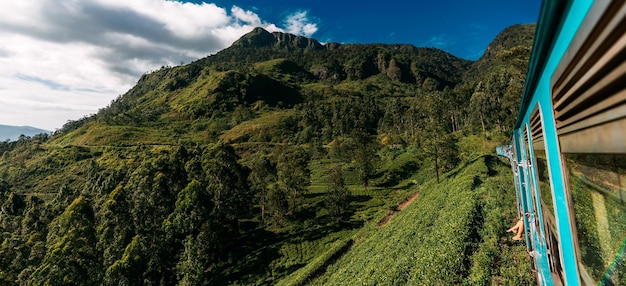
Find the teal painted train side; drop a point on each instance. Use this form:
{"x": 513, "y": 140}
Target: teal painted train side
{"x": 568, "y": 147}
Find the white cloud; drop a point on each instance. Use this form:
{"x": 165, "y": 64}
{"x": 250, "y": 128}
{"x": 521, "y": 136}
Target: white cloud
{"x": 299, "y": 23}
{"x": 248, "y": 17}
{"x": 64, "y": 59}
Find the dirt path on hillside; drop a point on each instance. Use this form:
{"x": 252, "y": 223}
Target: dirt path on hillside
{"x": 387, "y": 218}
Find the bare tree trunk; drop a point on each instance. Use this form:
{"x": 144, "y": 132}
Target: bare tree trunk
{"x": 452, "y": 122}
{"x": 482, "y": 122}
{"x": 437, "y": 165}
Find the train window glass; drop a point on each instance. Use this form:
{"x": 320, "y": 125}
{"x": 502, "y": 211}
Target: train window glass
{"x": 596, "y": 186}
{"x": 543, "y": 175}
{"x": 541, "y": 163}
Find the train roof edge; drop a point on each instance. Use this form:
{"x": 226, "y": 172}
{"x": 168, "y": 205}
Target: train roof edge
{"x": 550, "y": 22}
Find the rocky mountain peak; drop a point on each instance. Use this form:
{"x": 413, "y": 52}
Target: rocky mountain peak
{"x": 260, "y": 37}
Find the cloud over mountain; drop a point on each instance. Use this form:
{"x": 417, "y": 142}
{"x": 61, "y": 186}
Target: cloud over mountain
{"x": 81, "y": 54}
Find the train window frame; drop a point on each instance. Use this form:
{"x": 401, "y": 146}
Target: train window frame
{"x": 521, "y": 208}
{"x": 551, "y": 236}
{"x": 536, "y": 221}
{"x": 521, "y": 182}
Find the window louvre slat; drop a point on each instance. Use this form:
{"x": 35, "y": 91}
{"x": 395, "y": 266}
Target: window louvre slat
{"x": 588, "y": 91}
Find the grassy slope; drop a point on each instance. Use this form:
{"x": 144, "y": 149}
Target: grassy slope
{"x": 452, "y": 234}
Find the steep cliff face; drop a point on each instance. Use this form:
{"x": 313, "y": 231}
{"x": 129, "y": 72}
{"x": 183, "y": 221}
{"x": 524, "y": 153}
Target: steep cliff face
{"x": 292, "y": 41}
{"x": 401, "y": 63}
{"x": 260, "y": 38}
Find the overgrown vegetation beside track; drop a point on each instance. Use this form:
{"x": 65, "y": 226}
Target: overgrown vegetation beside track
{"x": 452, "y": 234}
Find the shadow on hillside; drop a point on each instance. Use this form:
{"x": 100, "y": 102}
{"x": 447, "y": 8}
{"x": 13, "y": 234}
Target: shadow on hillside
{"x": 255, "y": 252}
{"x": 491, "y": 162}
{"x": 461, "y": 167}
{"x": 360, "y": 198}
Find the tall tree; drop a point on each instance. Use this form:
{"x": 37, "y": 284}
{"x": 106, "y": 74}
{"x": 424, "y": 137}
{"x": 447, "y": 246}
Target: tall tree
{"x": 262, "y": 180}
{"x": 480, "y": 103}
{"x": 116, "y": 226}
{"x": 438, "y": 143}
{"x": 337, "y": 194}
{"x": 364, "y": 155}
{"x": 72, "y": 258}
{"x": 227, "y": 182}
{"x": 293, "y": 172}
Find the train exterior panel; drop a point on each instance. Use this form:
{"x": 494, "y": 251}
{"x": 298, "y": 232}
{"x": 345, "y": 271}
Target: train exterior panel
{"x": 568, "y": 147}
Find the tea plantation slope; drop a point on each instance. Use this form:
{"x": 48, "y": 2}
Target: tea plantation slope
{"x": 454, "y": 233}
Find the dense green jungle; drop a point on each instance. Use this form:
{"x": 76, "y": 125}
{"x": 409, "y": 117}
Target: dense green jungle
{"x": 278, "y": 161}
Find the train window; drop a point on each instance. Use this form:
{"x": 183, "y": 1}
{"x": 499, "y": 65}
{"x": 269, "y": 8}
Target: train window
{"x": 589, "y": 98}
{"x": 596, "y": 186}
{"x": 545, "y": 195}
{"x": 541, "y": 164}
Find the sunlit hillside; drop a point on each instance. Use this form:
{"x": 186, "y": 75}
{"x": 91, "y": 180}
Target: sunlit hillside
{"x": 277, "y": 160}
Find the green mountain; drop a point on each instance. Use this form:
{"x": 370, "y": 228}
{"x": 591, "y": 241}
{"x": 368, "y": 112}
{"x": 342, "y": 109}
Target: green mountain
{"x": 269, "y": 161}
{"x": 13, "y": 133}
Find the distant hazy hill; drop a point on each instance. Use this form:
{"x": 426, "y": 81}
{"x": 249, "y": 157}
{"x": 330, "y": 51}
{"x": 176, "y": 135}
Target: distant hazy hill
{"x": 13, "y": 132}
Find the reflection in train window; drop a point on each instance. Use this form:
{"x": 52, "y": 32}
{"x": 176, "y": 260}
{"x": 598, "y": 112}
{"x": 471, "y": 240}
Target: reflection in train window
{"x": 544, "y": 181}
{"x": 595, "y": 183}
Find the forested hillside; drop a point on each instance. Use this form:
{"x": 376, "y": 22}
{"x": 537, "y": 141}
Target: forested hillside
{"x": 265, "y": 163}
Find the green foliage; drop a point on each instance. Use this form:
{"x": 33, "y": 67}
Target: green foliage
{"x": 337, "y": 194}
{"x": 150, "y": 191}
{"x": 317, "y": 265}
{"x": 340, "y": 117}
{"x": 193, "y": 208}
{"x": 463, "y": 215}
{"x": 364, "y": 155}
{"x": 130, "y": 268}
{"x": 399, "y": 168}
{"x": 116, "y": 228}
{"x": 271, "y": 127}
{"x": 72, "y": 258}
{"x": 497, "y": 214}
{"x": 192, "y": 267}
{"x": 293, "y": 173}
{"x": 439, "y": 144}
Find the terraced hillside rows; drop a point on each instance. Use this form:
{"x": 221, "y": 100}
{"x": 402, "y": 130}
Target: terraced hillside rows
{"x": 452, "y": 234}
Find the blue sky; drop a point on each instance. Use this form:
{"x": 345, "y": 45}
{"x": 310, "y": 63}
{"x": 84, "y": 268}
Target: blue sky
{"x": 64, "y": 59}
{"x": 463, "y": 28}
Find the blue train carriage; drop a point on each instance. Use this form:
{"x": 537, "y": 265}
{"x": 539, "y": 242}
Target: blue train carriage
{"x": 568, "y": 148}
